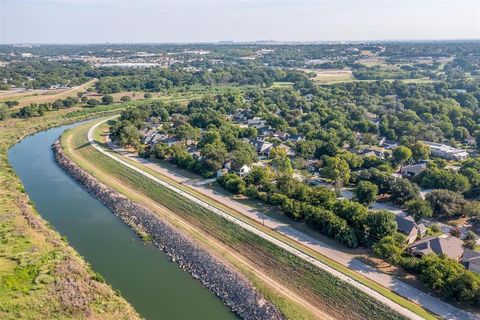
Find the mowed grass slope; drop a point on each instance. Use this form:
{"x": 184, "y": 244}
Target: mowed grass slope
{"x": 315, "y": 285}
{"x": 41, "y": 276}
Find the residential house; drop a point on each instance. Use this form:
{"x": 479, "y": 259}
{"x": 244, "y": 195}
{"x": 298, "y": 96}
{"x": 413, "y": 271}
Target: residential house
{"x": 471, "y": 260}
{"x": 296, "y": 138}
{"x": 257, "y": 123}
{"x": 312, "y": 165}
{"x": 309, "y": 96}
{"x": 446, "y": 152}
{"x": 262, "y": 147}
{"x": 194, "y": 152}
{"x": 264, "y": 132}
{"x": 372, "y": 116}
{"x": 372, "y": 152}
{"x": 471, "y": 141}
{"x": 244, "y": 170}
{"x": 156, "y": 138}
{"x": 409, "y": 227}
{"x": 389, "y": 144}
{"x": 413, "y": 170}
{"x": 447, "y": 245}
{"x": 174, "y": 140}
{"x": 222, "y": 172}
{"x": 280, "y": 135}
{"x": 146, "y": 134}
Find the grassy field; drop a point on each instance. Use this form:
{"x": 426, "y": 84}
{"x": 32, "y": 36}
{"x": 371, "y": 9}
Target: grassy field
{"x": 332, "y": 76}
{"x": 34, "y": 260}
{"x": 43, "y": 96}
{"x": 316, "y": 286}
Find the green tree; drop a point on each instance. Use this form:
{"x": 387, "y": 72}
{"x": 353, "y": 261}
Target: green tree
{"x": 93, "y": 102}
{"x": 161, "y": 151}
{"x": 381, "y": 224}
{"x": 389, "y": 248}
{"x": 280, "y": 160}
{"x": 107, "y": 99}
{"x": 125, "y": 99}
{"x": 186, "y": 132}
{"x": 11, "y": 103}
{"x": 418, "y": 209}
{"x": 402, "y": 190}
{"x": 244, "y": 154}
{"x": 210, "y": 136}
{"x": 213, "y": 157}
{"x": 366, "y": 192}
{"x": 337, "y": 170}
{"x": 420, "y": 151}
{"x": 4, "y": 112}
{"x": 446, "y": 202}
{"x": 401, "y": 155}
{"x": 129, "y": 136}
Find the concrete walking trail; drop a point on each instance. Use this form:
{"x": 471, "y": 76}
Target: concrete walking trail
{"x": 428, "y": 302}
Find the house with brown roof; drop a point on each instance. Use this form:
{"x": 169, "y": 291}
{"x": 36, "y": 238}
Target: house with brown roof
{"x": 471, "y": 260}
{"x": 447, "y": 245}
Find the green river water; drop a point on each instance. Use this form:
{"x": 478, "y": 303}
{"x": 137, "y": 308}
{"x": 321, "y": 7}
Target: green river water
{"x": 155, "y": 287}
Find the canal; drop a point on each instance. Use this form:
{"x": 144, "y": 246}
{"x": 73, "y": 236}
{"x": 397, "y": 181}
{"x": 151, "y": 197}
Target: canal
{"x": 155, "y": 287}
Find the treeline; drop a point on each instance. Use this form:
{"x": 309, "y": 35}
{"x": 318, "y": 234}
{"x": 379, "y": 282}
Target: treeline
{"x": 406, "y": 112}
{"x": 158, "y": 79}
{"x": 39, "y": 109}
{"x": 348, "y": 222}
{"x": 39, "y": 73}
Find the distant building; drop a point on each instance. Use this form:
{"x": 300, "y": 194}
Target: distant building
{"x": 449, "y": 246}
{"x": 389, "y": 144}
{"x": 412, "y": 170}
{"x": 471, "y": 141}
{"x": 257, "y": 123}
{"x": 446, "y": 152}
{"x": 280, "y": 135}
{"x": 296, "y": 138}
{"x": 372, "y": 152}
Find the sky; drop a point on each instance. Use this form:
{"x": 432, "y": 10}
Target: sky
{"x": 160, "y": 21}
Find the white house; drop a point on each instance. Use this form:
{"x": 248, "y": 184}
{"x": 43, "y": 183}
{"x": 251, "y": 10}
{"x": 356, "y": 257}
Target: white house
{"x": 446, "y": 152}
{"x": 244, "y": 170}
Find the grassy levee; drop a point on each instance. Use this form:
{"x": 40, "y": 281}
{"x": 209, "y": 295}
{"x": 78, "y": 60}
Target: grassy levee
{"x": 316, "y": 286}
{"x": 331, "y": 263}
{"x": 41, "y": 276}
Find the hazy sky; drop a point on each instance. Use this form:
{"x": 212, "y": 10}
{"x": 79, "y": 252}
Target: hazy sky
{"x": 88, "y": 21}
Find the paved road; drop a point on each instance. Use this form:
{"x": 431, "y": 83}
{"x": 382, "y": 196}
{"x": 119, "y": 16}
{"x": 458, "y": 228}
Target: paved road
{"x": 428, "y": 302}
